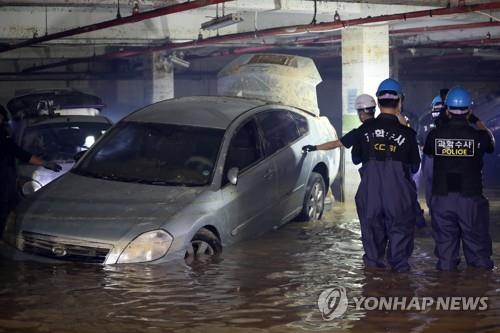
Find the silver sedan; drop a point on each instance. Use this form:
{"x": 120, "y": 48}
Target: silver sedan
{"x": 183, "y": 178}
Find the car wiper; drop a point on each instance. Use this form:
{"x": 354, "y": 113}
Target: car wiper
{"x": 135, "y": 180}
{"x": 102, "y": 176}
{"x": 158, "y": 182}
{"x": 118, "y": 178}
{"x": 167, "y": 183}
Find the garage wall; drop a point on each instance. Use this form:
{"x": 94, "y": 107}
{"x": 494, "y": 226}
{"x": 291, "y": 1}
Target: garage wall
{"x": 419, "y": 94}
{"x": 195, "y": 85}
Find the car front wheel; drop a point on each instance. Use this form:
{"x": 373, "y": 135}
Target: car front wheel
{"x": 314, "y": 200}
{"x": 204, "y": 246}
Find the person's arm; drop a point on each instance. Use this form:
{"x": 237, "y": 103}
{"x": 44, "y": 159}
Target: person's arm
{"x": 18, "y": 152}
{"x": 429, "y": 144}
{"x": 324, "y": 146}
{"x": 330, "y": 145}
{"x": 414, "y": 155}
{"x": 489, "y": 138}
{"x": 27, "y": 157}
{"x": 480, "y": 125}
{"x": 347, "y": 141}
{"x": 35, "y": 160}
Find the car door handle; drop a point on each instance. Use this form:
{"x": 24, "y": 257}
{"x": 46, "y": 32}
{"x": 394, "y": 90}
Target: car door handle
{"x": 269, "y": 174}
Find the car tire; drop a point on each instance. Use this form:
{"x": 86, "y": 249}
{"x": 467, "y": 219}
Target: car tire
{"x": 314, "y": 199}
{"x": 205, "y": 246}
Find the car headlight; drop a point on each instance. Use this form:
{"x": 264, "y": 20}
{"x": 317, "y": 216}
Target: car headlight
{"x": 149, "y": 246}
{"x": 30, "y": 186}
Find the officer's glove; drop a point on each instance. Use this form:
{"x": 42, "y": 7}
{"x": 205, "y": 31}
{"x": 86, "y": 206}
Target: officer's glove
{"x": 473, "y": 119}
{"x": 309, "y": 148}
{"x": 52, "y": 166}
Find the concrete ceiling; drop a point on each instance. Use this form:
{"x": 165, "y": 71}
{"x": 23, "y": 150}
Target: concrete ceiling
{"x": 86, "y": 3}
{"x": 436, "y": 3}
{"x": 159, "y": 3}
{"x": 21, "y": 20}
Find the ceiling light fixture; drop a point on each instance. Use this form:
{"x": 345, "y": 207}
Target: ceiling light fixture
{"x": 221, "y": 22}
{"x": 179, "y": 61}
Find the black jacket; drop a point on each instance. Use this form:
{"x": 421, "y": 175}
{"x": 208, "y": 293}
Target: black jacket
{"x": 458, "y": 151}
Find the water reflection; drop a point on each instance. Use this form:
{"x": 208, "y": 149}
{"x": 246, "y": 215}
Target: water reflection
{"x": 271, "y": 284}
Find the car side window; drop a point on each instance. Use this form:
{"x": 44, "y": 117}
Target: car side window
{"x": 301, "y": 123}
{"x": 244, "y": 149}
{"x": 279, "y": 129}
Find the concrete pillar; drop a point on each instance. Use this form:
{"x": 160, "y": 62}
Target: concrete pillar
{"x": 365, "y": 63}
{"x": 161, "y": 79}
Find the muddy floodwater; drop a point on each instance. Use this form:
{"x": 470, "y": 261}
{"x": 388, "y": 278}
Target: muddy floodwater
{"x": 267, "y": 285}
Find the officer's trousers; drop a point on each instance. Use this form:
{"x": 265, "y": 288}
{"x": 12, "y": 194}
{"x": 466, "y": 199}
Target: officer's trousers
{"x": 385, "y": 203}
{"x": 420, "y": 222}
{"x": 459, "y": 219}
{"x": 427, "y": 171}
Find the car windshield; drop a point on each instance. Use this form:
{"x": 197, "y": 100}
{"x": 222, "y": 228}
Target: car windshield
{"x": 61, "y": 141}
{"x": 158, "y": 154}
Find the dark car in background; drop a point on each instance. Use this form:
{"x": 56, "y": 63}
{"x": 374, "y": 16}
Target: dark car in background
{"x": 56, "y": 125}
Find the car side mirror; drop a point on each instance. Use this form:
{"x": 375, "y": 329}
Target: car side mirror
{"x": 79, "y": 155}
{"x": 232, "y": 175}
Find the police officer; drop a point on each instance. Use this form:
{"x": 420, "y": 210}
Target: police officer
{"x": 428, "y": 122}
{"x": 9, "y": 152}
{"x": 386, "y": 197}
{"x": 442, "y": 116}
{"x": 460, "y": 212}
{"x": 365, "y": 106}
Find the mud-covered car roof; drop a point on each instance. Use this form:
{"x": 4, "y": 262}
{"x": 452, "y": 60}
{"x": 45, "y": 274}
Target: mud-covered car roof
{"x": 203, "y": 111}
{"x": 26, "y": 104}
{"x": 45, "y": 120}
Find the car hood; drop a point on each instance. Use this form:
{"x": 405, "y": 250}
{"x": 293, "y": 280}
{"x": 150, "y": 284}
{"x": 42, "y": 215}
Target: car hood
{"x": 91, "y": 208}
{"x": 42, "y": 175}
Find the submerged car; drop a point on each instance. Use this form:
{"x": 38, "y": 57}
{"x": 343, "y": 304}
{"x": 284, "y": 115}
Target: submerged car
{"x": 182, "y": 178}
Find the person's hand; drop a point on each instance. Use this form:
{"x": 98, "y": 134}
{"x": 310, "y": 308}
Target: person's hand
{"x": 309, "y": 148}
{"x": 52, "y": 166}
{"x": 472, "y": 119}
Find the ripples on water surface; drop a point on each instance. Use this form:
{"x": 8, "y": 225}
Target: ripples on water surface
{"x": 267, "y": 285}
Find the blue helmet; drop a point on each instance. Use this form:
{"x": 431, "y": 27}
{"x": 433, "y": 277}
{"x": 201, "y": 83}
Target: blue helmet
{"x": 458, "y": 98}
{"x": 436, "y": 106}
{"x": 436, "y": 101}
{"x": 389, "y": 85}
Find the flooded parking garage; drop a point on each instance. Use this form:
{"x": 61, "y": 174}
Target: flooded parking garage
{"x": 271, "y": 284}
{"x": 155, "y": 157}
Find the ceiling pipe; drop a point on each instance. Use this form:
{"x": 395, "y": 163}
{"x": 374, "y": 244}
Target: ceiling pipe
{"x": 115, "y": 22}
{"x": 467, "y": 43}
{"x": 74, "y": 4}
{"x": 332, "y": 26}
{"x": 283, "y": 31}
{"x": 461, "y": 26}
{"x": 322, "y": 27}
